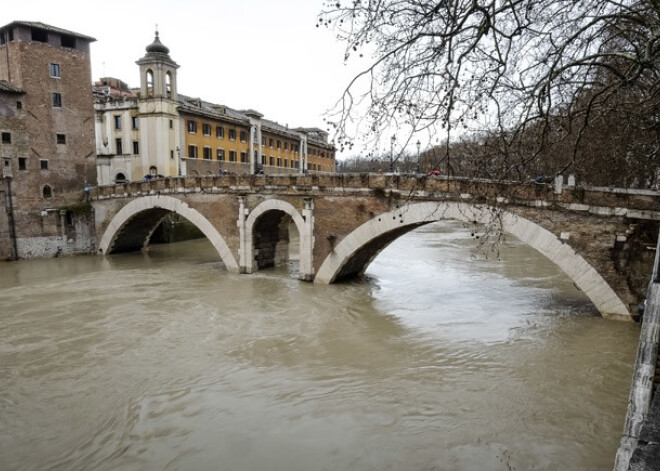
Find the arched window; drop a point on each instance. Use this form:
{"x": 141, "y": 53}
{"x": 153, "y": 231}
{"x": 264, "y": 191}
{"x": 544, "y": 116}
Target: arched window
{"x": 47, "y": 192}
{"x": 150, "y": 83}
{"x": 120, "y": 178}
{"x": 168, "y": 85}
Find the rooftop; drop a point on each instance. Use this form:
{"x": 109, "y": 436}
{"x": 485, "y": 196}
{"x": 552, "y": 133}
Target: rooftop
{"x": 6, "y": 87}
{"x": 49, "y": 28}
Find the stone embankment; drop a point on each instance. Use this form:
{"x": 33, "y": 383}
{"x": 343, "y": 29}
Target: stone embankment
{"x": 640, "y": 444}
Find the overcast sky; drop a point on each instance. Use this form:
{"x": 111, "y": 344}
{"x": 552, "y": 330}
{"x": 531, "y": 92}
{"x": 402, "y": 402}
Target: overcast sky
{"x": 262, "y": 54}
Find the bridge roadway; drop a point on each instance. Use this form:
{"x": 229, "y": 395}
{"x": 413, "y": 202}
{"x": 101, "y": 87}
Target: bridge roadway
{"x": 345, "y": 220}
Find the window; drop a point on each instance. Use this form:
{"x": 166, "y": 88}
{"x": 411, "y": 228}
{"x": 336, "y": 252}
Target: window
{"x": 136, "y": 147}
{"x": 47, "y": 192}
{"x": 120, "y": 178}
{"x": 68, "y": 41}
{"x": 39, "y": 35}
{"x": 263, "y": 159}
{"x": 6, "y": 138}
{"x": 57, "y": 100}
{"x": 263, "y": 140}
{"x": 232, "y": 134}
{"x": 279, "y": 161}
{"x": 270, "y": 142}
{"x": 271, "y": 161}
{"x": 207, "y": 153}
{"x": 206, "y": 129}
{"x": 286, "y": 145}
{"x": 243, "y": 136}
{"x": 192, "y": 152}
{"x": 19, "y": 105}
{"x": 69, "y": 218}
{"x": 171, "y": 124}
{"x": 220, "y": 132}
{"x": 55, "y": 70}
{"x": 232, "y": 156}
{"x": 279, "y": 144}
{"x": 243, "y": 157}
{"x": 43, "y": 164}
{"x": 134, "y": 122}
{"x": 61, "y": 138}
{"x": 192, "y": 126}
{"x": 117, "y": 119}
{"x": 22, "y": 163}
{"x": 118, "y": 146}
{"x": 221, "y": 154}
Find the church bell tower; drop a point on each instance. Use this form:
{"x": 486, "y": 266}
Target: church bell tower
{"x": 159, "y": 119}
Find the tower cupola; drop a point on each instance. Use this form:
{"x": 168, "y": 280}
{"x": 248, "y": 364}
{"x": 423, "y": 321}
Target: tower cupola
{"x": 157, "y": 72}
{"x": 157, "y": 47}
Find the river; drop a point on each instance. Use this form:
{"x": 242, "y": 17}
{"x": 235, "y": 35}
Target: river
{"x": 437, "y": 360}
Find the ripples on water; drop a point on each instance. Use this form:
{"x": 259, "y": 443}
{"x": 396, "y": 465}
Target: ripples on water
{"x": 436, "y": 360}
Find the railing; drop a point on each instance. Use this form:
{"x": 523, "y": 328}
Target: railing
{"x": 602, "y": 201}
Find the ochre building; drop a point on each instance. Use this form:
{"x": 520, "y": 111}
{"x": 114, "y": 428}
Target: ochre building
{"x": 154, "y": 132}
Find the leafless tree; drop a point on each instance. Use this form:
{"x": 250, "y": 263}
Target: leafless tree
{"x": 522, "y": 75}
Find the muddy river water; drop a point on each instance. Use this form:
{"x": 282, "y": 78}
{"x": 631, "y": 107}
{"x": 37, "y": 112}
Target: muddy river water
{"x": 437, "y": 359}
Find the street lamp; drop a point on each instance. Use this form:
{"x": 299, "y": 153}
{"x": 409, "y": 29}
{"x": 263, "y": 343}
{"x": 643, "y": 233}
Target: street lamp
{"x": 419, "y": 144}
{"x": 392, "y": 140}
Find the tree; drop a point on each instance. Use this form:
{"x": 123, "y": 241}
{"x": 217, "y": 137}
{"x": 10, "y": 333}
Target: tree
{"x": 529, "y": 77}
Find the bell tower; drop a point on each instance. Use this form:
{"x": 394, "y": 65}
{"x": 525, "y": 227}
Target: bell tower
{"x": 158, "y": 72}
{"x": 159, "y": 119}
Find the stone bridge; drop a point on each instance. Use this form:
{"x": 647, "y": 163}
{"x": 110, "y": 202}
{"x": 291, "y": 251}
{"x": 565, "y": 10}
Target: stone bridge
{"x": 601, "y": 238}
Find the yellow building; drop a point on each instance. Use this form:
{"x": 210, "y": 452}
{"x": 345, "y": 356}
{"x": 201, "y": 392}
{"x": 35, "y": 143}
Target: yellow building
{"x": 155, "y": 131}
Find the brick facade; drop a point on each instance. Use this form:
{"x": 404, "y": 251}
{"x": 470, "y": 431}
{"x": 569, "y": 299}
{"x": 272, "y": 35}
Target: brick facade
{"x": 46, "y": 109}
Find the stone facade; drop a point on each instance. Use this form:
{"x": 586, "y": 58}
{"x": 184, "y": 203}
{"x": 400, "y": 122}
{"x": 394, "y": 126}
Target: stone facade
{"x": 47, "y": 118}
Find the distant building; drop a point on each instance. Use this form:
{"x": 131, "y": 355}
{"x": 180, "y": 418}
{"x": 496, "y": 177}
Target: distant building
{"x": 47, "y": 147}
{"x": 154, "y": 130}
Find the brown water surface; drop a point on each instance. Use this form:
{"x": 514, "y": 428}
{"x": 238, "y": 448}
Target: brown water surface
{"x": 438, "y": 360}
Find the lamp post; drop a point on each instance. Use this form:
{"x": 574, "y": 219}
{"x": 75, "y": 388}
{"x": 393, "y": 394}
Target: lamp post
{"x": 392, "y": 140}
{"x": 419, "y": 144}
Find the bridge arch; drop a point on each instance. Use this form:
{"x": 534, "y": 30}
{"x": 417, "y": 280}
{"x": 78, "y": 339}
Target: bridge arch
{"x": 353, "y": 254}
{"x": 154, "y": 208}
{"x": 270, "y": 215}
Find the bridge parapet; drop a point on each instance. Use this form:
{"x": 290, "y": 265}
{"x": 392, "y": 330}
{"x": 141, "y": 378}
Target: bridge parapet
{"x": 634, "y": 204}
